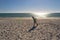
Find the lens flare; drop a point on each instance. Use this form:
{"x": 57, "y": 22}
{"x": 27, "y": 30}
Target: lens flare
{"x": 41, "y": 14}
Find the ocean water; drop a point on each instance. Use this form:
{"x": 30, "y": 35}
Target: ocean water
{"x": 53, "y": 15}
{"x": 15, "y": 15}
{"x": 26, "y": 15}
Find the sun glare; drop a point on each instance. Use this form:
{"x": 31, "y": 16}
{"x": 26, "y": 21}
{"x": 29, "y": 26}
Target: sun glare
{"x": 41, "y": 14}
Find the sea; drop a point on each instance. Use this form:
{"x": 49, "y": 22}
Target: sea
{"x": 27, "y": 15}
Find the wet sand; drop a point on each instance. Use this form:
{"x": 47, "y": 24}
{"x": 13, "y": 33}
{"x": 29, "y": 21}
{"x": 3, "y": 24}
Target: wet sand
{"x": 17, "y": 29}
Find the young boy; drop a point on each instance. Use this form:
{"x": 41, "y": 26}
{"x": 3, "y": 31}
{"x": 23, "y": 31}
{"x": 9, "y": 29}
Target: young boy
{"x": 35, "y": 24}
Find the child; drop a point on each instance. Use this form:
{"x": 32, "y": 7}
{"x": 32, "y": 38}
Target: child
{"x": 35, "y": 24}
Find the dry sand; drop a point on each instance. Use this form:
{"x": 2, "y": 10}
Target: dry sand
{"x": 17, "y": 29}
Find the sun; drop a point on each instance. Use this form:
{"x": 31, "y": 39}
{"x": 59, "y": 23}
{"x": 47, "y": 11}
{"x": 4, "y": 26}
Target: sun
{"x": 41, "y": 14}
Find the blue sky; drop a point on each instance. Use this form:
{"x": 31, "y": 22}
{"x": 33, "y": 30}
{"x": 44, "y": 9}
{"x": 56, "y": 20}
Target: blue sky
{"x": 29, "y": 6}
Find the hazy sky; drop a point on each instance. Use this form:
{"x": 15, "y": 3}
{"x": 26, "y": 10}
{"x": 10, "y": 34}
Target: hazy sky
{"x": 29, "y": 6}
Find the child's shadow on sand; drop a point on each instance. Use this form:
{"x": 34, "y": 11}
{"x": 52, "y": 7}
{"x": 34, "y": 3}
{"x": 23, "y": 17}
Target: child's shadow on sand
{"x": 32, "y": 29}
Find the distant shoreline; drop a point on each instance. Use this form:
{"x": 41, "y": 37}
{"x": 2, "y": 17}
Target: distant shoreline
{"x": 25, "y": 18}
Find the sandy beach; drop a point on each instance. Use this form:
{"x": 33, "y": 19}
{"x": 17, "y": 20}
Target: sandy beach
{"x": 17, "y": 29}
